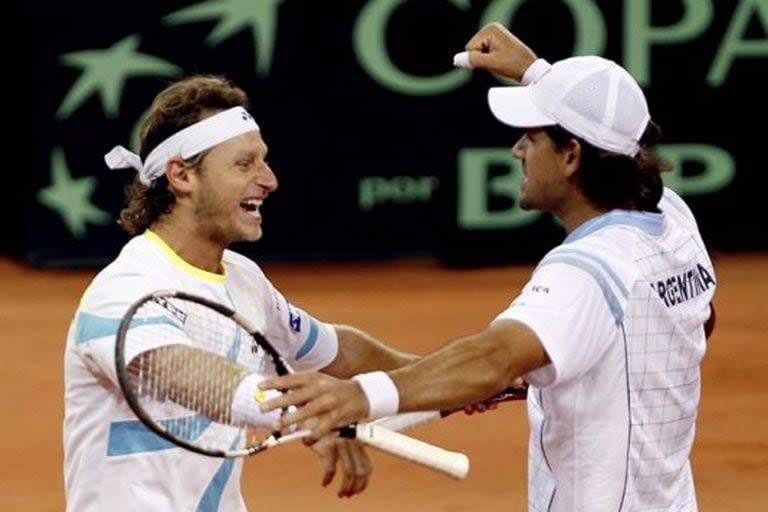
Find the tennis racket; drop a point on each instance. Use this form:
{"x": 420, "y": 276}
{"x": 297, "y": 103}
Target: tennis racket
{"x": 408, "y": 420}
{"x": 179, "y": 359}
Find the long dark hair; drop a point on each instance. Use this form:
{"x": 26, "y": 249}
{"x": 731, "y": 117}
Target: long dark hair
{"x": 611, "y": 180}
{"x": 181, "y": 104}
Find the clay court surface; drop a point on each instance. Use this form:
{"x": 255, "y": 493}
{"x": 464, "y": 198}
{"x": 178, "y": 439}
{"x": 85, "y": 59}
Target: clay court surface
{"x": 416, "y": 305}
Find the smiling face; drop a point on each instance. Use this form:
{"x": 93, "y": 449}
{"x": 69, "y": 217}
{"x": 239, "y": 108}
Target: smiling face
{"x": 228, "y": 189}
{"x": 546, "y": 170}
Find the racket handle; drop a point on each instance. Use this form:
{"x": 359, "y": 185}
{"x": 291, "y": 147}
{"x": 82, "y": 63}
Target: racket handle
{"x": 451, "y": 463}
{"x": 405, "y": 421}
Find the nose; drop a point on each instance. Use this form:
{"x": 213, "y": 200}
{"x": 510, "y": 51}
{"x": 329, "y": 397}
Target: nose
{"x": 266, "y": 178}
{"x": 518, "y": 150}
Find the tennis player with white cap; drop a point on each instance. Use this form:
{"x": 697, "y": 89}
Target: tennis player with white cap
{"x": 611, "y": 327}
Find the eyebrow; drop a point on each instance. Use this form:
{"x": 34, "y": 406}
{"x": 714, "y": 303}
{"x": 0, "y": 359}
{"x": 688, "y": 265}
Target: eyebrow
{"x": 251, "y": 153}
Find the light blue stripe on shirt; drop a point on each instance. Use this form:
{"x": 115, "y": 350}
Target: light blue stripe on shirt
{"x": 234, "y": 349}
{"x": 311, "y": 341}
{"x": 651, "y": 223}
{"x": 90, "y": 326}
{"x": 597, "y": 275}
{"x": 596, "y": 259}
{"x": 212, "y": 495}
{"x": 132, "y": 436}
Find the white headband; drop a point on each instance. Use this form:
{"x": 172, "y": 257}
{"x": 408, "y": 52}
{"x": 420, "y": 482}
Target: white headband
{"x": 185, "y": 143}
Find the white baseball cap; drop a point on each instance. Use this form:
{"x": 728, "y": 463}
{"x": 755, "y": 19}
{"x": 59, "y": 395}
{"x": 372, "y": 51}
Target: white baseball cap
{"x": 592, "y": 97}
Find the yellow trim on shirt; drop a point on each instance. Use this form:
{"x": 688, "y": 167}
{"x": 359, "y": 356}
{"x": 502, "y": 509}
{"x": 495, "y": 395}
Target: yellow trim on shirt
{"x": 183, "y": 265}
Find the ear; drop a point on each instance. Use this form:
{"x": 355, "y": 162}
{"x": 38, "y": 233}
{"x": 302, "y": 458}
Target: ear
{"x": 571, "y": 155}
{"x": 179, "y": 174}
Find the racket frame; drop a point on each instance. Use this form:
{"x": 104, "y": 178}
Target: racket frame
{"x": 123, "y": 377}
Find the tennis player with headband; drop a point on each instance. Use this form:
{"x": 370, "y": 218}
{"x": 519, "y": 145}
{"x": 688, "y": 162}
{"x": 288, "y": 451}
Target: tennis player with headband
{"x": 202, "y": 177}
{"x": 612, "y": 326}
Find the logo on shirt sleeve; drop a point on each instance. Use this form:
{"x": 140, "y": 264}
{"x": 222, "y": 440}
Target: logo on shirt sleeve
{"x": 294, "y": 319}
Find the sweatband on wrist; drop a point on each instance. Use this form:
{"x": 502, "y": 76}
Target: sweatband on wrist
{"x": 535, "y": 71}
{"x": 461, "y": 60}
{"x": 245, "y": 404}
{"x": 381, "y": 393}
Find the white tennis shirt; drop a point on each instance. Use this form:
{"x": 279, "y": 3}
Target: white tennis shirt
{"x": 111, "y": 461}
{"x": 619, "y": 308}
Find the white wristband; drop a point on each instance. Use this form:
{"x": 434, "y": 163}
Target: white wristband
{"x": 536, "y": 70}
{"x": 461, "y": 60}
{"x": 245, "y": 404}
{"x": 381, "y": 393}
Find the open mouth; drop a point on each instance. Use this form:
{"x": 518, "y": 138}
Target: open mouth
{"x": 251, "y": 206}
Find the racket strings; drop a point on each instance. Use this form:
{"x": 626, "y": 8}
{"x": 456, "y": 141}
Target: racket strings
{"x": 184, "y": 362}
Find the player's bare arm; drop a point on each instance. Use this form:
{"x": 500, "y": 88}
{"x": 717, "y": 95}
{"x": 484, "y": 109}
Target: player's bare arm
{"x": 177, "y": 369}
{"x": 470, "y": 369}
{"x": 353, "y": 459}
{"x": 359, "y": 352}
{"x": 467, "y": 370}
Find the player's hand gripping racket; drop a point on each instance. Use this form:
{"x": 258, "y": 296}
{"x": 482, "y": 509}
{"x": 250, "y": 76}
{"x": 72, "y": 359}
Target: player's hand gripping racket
{"x": 179, "y": 359}
{"x": 408, "y": 420}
